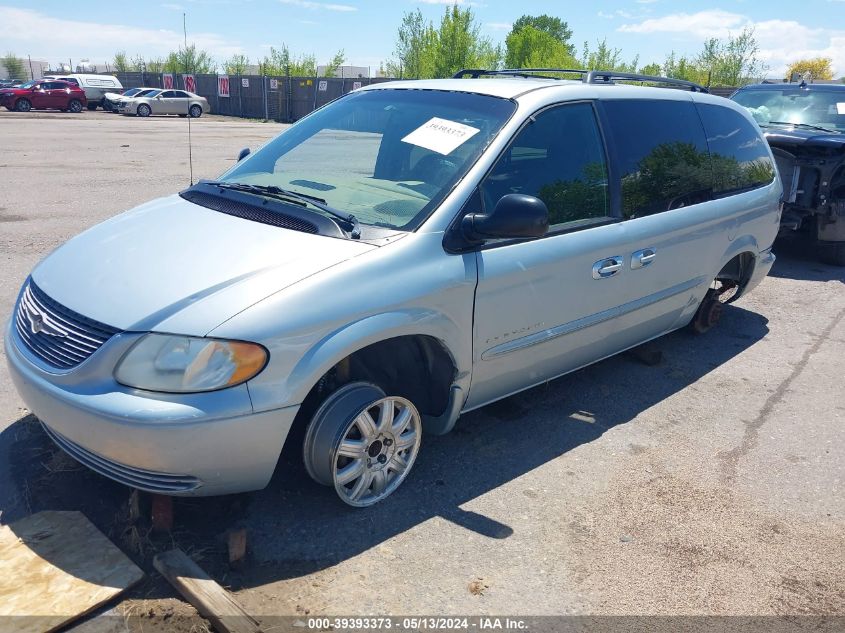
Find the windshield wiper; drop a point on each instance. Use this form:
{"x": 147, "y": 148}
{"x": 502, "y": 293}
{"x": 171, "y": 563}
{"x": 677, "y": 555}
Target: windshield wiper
{"x": 804, "y": 125}
{"x": 302, "y": 199}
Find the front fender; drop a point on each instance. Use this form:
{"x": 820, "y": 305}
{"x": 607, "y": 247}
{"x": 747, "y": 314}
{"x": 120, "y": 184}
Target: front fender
{"x": 343, "y": 341}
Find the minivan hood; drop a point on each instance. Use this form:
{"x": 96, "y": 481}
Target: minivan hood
{"x": 776, "y": 135}
{"x": 171, "y": 265}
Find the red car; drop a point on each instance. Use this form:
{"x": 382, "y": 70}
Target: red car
{"x": 44, "y": 95}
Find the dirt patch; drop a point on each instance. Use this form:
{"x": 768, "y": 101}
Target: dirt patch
{"x": 701, "y": 550}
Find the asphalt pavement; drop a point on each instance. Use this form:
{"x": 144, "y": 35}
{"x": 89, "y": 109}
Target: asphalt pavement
{"x": 712, "y": 483}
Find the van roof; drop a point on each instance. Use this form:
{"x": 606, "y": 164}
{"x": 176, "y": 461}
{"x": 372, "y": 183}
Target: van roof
{"x": 512, "y": 87}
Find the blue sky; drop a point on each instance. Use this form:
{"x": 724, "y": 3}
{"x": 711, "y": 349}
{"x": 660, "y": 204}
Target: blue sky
{"x": 366, "y": 29}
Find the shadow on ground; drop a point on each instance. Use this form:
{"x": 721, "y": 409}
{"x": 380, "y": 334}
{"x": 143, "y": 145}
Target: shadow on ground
{"x": 296, "y": 527}
{"x": 798, "y": 258}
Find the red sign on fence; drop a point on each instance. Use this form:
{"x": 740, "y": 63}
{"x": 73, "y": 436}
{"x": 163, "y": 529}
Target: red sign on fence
{"x": 222, "y": 85}
{"x": 190, "y": 83}
{"x": 167, "y": 81}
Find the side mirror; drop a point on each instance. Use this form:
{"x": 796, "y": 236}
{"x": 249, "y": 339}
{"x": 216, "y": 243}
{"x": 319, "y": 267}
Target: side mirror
{"x": 514, "y": 216}
{"x": 243, "y": 154}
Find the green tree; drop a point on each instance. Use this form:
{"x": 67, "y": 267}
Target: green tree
{"x": 555, "y": 27}
{"x": 529, "y": 47}
{"x": 605, "y": 57}
{"x": 190, "y": 61}
{"x": 651, "y": 69}
{"x": 236, "y": 64}
{"x": 13, "y": 65}
{"x": 732, "y": 61}
{"x": 683, "y": 68}
{"x": 415, "y": 50}
{"x": 460, "y": 44}
{"x": 423, "y": 51}
{"x": 334, "y": 65}
{"x": 121, "y": 62}
{"x": 280, "y": 61}
{"x": 155, "y": 65}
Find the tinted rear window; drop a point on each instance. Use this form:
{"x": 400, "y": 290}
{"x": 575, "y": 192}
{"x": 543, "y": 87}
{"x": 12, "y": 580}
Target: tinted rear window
{"x": 661, "y": 155}
{"x": 739, "y": 153}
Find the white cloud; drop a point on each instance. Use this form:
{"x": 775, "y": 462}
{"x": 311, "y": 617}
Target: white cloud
{"x": 653, "y": 1}
{"x": 467, "y": 3}
{"x": 172, "y": 7}
{"x": 781, "y": 42}
{"x": 619, "y": 13}
{"x": 308, "y": 4}
{"x": 499, "y": 26}
{"x": 704, "y": 24}
{"x": 22, "y": 30}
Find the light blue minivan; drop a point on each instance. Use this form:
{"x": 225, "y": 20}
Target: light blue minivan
{"x": 412, "y": 251}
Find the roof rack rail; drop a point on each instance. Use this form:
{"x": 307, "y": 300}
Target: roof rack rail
{"x": 475, "y": 73}
{"x": 587, "y": 76}
{"x": 609, "y": 76}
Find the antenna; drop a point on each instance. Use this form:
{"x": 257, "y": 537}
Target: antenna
{"x": 190, "y": 152}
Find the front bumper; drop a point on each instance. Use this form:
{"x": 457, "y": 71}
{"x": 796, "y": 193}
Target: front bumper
{"x": 193, "y": 445}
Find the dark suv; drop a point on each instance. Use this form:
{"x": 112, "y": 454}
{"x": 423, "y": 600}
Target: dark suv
{"x": 805, "y": 127}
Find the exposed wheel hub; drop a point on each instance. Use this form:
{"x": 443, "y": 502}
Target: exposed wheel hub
{"x": 375, "y": 449}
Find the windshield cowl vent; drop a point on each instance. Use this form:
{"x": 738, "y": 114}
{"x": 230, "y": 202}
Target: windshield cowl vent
{"x": 249, "y": 212}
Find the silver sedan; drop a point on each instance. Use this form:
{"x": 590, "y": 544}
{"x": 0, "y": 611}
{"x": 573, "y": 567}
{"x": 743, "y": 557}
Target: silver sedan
{"x": 167, "y": 102}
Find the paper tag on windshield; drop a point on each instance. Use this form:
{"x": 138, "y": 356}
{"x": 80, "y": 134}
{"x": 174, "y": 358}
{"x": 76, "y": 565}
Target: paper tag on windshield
{"x": 441, "y": 135}
{"x": 840, "y": 108}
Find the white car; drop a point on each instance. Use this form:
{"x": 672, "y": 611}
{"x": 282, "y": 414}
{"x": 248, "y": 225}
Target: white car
{"x": 166, "y": 102}
{"x": 95, "y": 86}
{"x": 114, "y": 100}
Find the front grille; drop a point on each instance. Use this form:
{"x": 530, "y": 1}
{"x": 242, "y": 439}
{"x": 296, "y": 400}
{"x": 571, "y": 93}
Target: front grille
{"x": 249, "y": 212}
{"x": 147, "y": 480}
{"x": 57, "y": 335}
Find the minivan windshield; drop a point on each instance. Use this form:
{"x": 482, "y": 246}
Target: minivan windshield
{"x": 386, "y": 156}
{"x": 797, "y": 106}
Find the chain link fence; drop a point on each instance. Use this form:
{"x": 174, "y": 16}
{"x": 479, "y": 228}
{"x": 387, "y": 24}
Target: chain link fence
{"x": 283, "y": 99}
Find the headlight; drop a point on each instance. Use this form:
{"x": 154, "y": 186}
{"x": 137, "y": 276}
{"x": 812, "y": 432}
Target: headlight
{"x": 186, "y": 364}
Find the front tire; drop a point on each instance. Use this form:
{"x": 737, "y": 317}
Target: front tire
{"x": 23, "y": 105}
{"x": 362, "y": 442}
{"x": 92, "y": 106}
{"x": 144, "y": 110}
{"x": 75, "y": 106}
{"x": 195, "y": 111}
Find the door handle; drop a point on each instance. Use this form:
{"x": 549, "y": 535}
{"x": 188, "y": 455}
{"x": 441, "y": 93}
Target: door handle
{"x": 607, "y": 267}
{"x": 642, "y": 258}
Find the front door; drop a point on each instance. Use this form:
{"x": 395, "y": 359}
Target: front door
{"x": 603, "y": 279}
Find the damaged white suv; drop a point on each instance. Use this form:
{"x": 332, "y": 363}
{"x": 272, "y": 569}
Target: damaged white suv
{"x": 411, "y": 251}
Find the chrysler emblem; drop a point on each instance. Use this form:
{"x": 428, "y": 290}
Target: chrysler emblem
{"x": 38, "y": 324}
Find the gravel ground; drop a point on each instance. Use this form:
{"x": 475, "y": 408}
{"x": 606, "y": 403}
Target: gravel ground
{"x": 709, "y": 484}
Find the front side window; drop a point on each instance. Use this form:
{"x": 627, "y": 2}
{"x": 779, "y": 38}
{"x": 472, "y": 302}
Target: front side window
{"x": 662, "y": 155}
{"x": 386, "y": 156}
{"x": 739, "y": 154}
{"x": 559, "y": 158}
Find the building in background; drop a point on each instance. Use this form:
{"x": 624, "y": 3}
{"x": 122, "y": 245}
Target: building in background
{"x": 346, "y": 72}
{"x": 32, "y": 69}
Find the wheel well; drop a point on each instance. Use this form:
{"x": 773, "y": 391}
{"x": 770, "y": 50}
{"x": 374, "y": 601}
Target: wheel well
{"x": 416, "y": 367}
{"x": 738, "y": 270}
